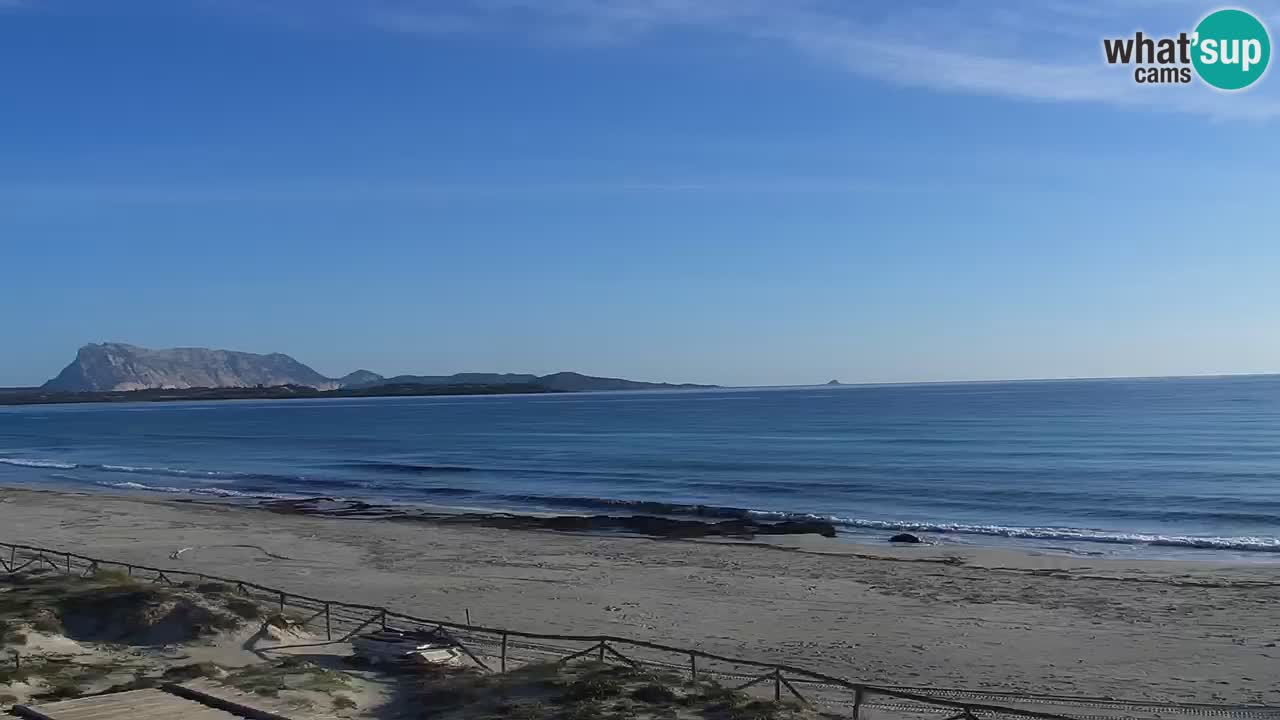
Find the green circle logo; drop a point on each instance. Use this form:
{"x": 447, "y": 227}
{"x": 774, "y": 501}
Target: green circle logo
{"x": 1232, "y": 49}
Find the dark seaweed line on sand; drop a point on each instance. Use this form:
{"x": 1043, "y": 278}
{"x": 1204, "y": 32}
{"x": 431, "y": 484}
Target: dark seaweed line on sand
{"x": 648, "y": 525}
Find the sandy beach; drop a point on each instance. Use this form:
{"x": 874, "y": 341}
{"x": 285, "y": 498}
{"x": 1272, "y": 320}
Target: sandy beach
{"x": 915, "y": 616}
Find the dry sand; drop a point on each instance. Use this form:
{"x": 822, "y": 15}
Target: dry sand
{"x": 913, "y": 616}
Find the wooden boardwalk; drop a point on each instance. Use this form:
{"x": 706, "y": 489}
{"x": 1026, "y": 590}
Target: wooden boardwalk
{"x": 198, "y": 700}
{"x": 148, "y": 704}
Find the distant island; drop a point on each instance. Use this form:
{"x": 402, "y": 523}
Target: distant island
{"x": 834, "y": 382}
{"x": 40, "y": 396}
{"x": 118, "y": 372}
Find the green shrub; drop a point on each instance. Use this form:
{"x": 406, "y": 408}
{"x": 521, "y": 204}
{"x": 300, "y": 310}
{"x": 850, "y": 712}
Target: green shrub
{"x": 62, "y": 689}
{"x": 592, "y": 688}
{"x": 191, "y": 671}
{"x": 113, "y": 577}
{"x": 654, "y": 694}
{"x": 244, "y": 608}
{"x": 214, "y": 588}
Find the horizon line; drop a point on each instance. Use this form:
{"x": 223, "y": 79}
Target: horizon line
{"x": 842, "y": 384}
{"x": 992, "y": 381}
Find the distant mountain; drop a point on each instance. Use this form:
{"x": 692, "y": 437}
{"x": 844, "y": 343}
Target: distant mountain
{"x": 360, "y": 378}
{"x": 109, "y": 367}
{"x": 577, "y": 382}
{"x": 459, "y": 379}
{"x": 560, "y": 382}
{"x": 117, "y": 366}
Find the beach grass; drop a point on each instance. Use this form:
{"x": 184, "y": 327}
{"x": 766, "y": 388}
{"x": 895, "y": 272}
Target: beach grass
{"x": 583, "y": 691}
{"x": 271, "y": 678}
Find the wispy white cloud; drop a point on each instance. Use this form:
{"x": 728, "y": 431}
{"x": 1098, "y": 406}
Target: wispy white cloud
{"x": 1043, "y": 51}
{"x": 1061, "y": 66}
{"x": 1040, "y": 51}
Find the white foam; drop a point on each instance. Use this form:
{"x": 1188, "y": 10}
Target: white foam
{"x": 23, "y": 462}
{"x": 215, "y": 491}
{"x": 206, "y": 475}
{"x": 1253, "y": 543}
{"x": 159, "y": 471}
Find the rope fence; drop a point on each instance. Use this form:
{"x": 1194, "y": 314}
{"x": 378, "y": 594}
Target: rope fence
{"x": 500, "y": 649}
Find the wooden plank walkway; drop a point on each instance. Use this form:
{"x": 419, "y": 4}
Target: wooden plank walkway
{"x": 147, "y": 704}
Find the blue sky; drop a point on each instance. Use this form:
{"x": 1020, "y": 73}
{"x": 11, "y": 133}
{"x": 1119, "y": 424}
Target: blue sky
{"x": 743, "y": 192}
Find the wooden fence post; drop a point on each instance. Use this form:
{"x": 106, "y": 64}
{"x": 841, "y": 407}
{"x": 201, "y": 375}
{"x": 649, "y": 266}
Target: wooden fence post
{"x": 35, "y": 556}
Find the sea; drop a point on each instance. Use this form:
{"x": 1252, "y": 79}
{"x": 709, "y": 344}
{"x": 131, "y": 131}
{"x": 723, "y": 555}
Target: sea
{"x": 1147, "y": 468}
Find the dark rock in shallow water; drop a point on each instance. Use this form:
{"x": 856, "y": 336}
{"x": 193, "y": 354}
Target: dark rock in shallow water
{"x": 568, "y": 523}
{"x": 651, "y": 525}
{"x": 801, "y": 527}
{"x": 656, "y": 526}
{"x": 905, "y": 538}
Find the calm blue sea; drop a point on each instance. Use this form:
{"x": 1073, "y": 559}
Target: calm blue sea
{"x": 1185, "y": 466}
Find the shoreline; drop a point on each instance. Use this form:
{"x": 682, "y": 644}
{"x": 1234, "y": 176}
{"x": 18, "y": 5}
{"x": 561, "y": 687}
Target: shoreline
{"x": 668, "y": 518}
{"x": 710, "y": 528}
{"x": 808, "y": 540}
{"x": 517, "y": 524}
{"x": 641, "y": 525}
{"x": 937, "y": 616}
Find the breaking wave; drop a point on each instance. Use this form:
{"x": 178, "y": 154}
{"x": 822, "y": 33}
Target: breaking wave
{"x": 1239, "y": 543}
{"x": 214, "y": 491}
{"x": 405, "y": 468}
{"x": 20, "y": 462}
{"x": 212, "y": 475}
{"x": 250, "y": 485}
{"x": 1248, "y": 543}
